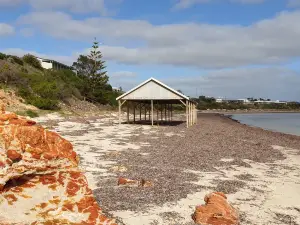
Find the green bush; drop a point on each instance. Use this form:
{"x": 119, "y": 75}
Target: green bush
{"x": 17, "y": 60}
{"x": 3, "y": 56}
{"x": 43, "y": 103}
{"x": 32, "y": 114}
{"x": 33, "y": 61}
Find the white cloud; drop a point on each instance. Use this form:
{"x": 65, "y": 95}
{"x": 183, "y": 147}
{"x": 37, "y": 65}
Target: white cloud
{"x": 270, "y": 82}
{"x": 123, "y": 74}
{"x": 10, "y": 2}
{"x": 6, "y": 29}
{"x": 183, "y": 4}
{"x": 269, "y": 41}
{"x": 74, "y": 6}
{"x": 293, "y": 3}
{"x": 27, "y": 32}
{"x": 66, "y": 59}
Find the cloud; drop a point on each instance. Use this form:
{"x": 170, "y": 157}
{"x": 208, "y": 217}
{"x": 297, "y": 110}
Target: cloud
{"x": 74, "y": 6}
{"x": 293, "y": 3}
{"x": 27, "y": 32}
{"x": 269, "y": 41}
{"x": 123, "y": 74}
{"x": 184, "y": 4}
{"x": 277, "y": 83}
{"x": 6, "y": 29}
{"x": 10, "y": 2}
{"x": 67, "y": 59}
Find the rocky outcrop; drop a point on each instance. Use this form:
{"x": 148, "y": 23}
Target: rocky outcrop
{"x": 39, "y": 178}
{"x": 216, "y": 211}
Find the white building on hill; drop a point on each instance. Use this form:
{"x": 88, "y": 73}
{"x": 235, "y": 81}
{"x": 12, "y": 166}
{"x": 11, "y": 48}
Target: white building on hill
{"x": 52, "y": 64}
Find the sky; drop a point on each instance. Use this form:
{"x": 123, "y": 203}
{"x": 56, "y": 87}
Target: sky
{"x": 219, "y": 48}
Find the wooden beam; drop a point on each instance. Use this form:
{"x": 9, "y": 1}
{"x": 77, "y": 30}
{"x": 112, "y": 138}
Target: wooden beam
{"x": 182, "y": 102}
{"x": 123, "y": 102}
{"x": 152, "y": 112}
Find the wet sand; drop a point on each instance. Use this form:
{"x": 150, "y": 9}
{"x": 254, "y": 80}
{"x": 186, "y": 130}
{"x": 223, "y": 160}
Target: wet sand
{"x": 258, "y": 169}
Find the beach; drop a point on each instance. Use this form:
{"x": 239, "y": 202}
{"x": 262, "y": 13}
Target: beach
{"x": 258, "y": 170}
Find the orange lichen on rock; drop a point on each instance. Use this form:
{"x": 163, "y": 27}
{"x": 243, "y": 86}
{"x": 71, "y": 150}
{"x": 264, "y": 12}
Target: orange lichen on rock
{"x": 39, "y": 178}
{"x": 216, "y": 211}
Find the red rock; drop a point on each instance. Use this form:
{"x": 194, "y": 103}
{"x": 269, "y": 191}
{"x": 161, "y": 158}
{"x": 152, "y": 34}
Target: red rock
{"x": 216, "y": 211}
{"x": 47, "y": 165}
{"x": 135, "y": 183}
{"x": 14, "y": 155}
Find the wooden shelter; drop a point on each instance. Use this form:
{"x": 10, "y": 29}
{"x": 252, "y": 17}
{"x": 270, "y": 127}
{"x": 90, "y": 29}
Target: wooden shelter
{"x": 153, "y": 95}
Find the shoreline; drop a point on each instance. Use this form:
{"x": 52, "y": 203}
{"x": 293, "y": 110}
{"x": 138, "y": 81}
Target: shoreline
{"x": 257, "y": 127}
{"x": 247, "y": 112}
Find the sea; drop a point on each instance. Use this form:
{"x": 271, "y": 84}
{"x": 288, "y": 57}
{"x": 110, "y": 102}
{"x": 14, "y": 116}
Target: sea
{"x": 288, "y": 123}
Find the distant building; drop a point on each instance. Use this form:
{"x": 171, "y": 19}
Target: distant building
{"x": 219, "y": 100}
{"x": 270, "y": 102}
{"x": 52, "y": 64}
{"x": 116, "y": 89}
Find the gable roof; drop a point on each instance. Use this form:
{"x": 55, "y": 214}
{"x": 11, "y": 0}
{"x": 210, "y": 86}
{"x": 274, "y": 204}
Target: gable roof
{"x": 157, "y": 82}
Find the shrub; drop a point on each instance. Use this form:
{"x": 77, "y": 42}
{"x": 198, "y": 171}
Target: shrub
{"x": 33, "y": 61}
{"x": 3, "y": 56}
{"x": 31, "y": 113}
{"x": 17, "y": 60}
{"x": 43, "y": 103}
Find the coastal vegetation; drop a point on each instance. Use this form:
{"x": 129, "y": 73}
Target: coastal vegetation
{"x": 206, "y": 103}
{"x": 86, "y": 80}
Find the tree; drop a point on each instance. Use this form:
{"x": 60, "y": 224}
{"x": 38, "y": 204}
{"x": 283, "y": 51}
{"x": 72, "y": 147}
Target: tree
{"x": 98, "y": 76}
{"x": 33, "y": 61}
{"x": 92, "y": 67}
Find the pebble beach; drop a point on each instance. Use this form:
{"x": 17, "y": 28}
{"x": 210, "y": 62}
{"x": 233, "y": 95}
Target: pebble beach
{"x": 258, "y": 170}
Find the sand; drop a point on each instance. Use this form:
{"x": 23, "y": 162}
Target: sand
{"x": 259, "y": 170}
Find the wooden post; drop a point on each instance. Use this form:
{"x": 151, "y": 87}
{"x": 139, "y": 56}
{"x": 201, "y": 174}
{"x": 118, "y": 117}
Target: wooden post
{"x": 152, "y": 112}
{"x": 120, "y": 107}
{"x": 140, "y": 111}
{"x": 187, "y": 113}
{"x": 161, "y": 112}
{"x": 165, "y": 112}
{"x": 190, "y": 109}
{"x": 133, "y": 112}
{"x": 171, "y": 112}
{"x": 145, "y": 112}
{"x": 128, "y": 112}
{"x": 157, "y": 107}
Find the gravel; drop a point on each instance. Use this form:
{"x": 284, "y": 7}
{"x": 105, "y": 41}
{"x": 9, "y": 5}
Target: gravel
{"x": 200, "y": 149}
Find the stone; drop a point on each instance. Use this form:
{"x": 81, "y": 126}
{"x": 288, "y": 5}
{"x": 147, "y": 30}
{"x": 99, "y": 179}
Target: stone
{"x": 40, "y": 181}
{"x": 134, "y": 183}
{"x": 216, "y": 211}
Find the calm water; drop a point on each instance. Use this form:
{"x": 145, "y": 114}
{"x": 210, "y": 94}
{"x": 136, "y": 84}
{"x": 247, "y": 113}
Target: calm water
{"x": 283, "y": 122}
